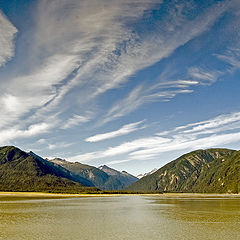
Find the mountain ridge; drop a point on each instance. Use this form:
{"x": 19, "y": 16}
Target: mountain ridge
{"x": 215, "y": 170}
{"x": 201, "y": 171}
{"x": 104, "y": 177}
{"x": 21, "y": 171}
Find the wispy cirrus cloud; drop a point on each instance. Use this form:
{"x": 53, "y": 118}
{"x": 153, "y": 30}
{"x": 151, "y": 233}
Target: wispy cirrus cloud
{"x": 89, "y": 33}
{"x": 17, "y": 132}
{"x": 141, "y": 95}
{"x": 218, "y": 131}
{"x": 118, "y": 150}
{"x": 124, "y": 130}
{"x": 7, "y": 46}
{"x": 76, "y": 120}
{"x": 164, "y": 90}
{"x": 174, "y": 37}
{"x": 99, "y": 50}
{"x": 186, "y": 144}
{"x": 232, "y": 57}
{"x": 204, "y": 76}
{"x": 79, "y": 50}
{"x": 221, "y": 130}
{"x": 58, "y": 145}
{"x": 220, "y": 123}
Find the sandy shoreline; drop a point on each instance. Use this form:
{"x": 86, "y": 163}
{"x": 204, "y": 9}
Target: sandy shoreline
{"x": 60, "y": 195}
{"x": 65, "y": 195}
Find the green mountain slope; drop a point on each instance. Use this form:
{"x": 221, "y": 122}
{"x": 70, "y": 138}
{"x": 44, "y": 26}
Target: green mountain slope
{"x": 202, "y": 171}
{"x": 21, "y": 171}
{"x": 103, "y": 177}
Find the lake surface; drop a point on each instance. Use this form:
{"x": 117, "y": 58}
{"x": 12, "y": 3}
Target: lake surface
{"x": 121, "y": 217}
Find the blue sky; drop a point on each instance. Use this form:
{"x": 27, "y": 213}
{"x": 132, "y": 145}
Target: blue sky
{"x": 131, "y": 84}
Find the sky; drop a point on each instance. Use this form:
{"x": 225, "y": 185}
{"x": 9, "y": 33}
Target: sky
{"x": 132, "y": 84}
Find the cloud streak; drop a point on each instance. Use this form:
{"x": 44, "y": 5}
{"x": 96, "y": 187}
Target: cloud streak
{"x": 8, "y": 32}
{"x": 193, "y": 136}
{"x": 142, "y": 95}
{"x": 32, "y": 131}
{"x": 76, "y": 120}
{"x": 88, "y": 33}
{"x": 79, "y": 50}
{"x": 124, "y": 130}
{"x": 95, "y": 49}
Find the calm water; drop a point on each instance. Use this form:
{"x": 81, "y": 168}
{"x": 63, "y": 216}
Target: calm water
{"x": 125, "y": 217}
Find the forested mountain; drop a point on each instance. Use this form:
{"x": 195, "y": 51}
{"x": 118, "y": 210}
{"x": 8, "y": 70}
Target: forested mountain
{"x": 21, "y": 171}
{"x": 201, "y": 171}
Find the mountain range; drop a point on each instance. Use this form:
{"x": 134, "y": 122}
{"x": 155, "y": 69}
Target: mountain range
{"x": 22, "y": 171}
{"x": 201, "y": 171}
{"x": 104, "y": 177}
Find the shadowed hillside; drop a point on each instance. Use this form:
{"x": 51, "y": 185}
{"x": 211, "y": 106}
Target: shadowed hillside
{"x": 21, "y": 171}
{"x": 103, "y": 177}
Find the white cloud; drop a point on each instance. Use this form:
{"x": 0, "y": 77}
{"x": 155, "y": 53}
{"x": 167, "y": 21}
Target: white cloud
{"x": 75, "y": 121}
{"x": 33, "y": 91}
{"x": 126, "y": 105}
{"x": 142, "y": 95}
{"x": 163, "y": 90}
{"x": 232, "y": 57}
{"x": 176, "y": 84}
{"x": 91, "y": 46}
{"x": 72, "y": 41}
{"x": 117, "y": 162}
{"x": 8, "y": 32}
{"x": 215, "y": 124}
{"x": 16, "y": 132}
{"x": 126, "y": 129}
{"x": 203, "y": 134}
{"x": 186, "y": 144}
{"x": 58, "y": 145}
{"x": 121, "y": 149}
{"x": 193, "y": 136}
{"x": 80, "y": 49}
{"x": 205, "y": 77}
{"x": 11, "y": 103}
{"x": 42, "y": 141}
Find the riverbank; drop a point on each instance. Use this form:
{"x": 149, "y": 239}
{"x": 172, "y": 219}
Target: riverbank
{"x": 51, "y": 195}
{"x": 64, "y": 195}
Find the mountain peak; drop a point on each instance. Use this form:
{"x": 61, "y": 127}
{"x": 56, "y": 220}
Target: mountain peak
{"x": 108, "y": 170}
{"x": 146, "y": 174}
{"x": 58, "y": 160}
{"x": 104, "y": 166}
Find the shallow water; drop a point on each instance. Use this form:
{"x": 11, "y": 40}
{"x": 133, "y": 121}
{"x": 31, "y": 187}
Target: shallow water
{"x": 123, "y": 217}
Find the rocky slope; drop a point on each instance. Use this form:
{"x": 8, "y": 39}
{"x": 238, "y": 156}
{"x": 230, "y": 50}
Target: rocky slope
{"x": 202, "y": 171}
{"x": 104, "y": 178}
{"x": 124, "y": 178}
